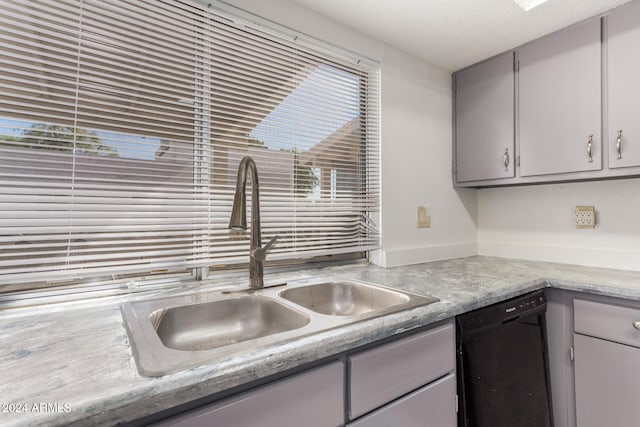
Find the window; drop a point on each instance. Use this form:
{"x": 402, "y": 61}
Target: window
{"x": 308, "y": 120}
{"x": 122, "y": 124}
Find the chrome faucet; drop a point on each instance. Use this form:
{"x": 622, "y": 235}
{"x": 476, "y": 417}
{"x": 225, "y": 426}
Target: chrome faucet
{"x": 238, "y": 220}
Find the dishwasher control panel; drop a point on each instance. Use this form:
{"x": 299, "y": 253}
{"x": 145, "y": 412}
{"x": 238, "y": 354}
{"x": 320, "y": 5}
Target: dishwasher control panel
{"x": 503, "y": 312}
{"x": 520, "y": 305}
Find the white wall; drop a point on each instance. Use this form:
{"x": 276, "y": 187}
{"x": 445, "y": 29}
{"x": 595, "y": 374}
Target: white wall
{"x": 416, "y": 143}
{"x": 536, "y": 222}
{"x": 416, "y": 170}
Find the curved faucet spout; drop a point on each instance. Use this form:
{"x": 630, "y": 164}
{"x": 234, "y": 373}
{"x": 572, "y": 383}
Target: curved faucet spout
{"x": 238, "y": 220}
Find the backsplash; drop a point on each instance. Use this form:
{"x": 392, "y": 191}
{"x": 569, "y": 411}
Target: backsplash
{"x": 536, "y": 222}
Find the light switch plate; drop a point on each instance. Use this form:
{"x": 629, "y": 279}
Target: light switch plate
{"x": 585, "y": 216}
{"x": 424, "y": 220}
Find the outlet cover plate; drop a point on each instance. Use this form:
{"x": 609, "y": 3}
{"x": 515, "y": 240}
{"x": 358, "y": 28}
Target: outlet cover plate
{"x": 585, "y": 216}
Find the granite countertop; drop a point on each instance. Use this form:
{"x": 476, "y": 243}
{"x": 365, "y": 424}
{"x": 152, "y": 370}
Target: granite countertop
{"x": 71, "y": 364}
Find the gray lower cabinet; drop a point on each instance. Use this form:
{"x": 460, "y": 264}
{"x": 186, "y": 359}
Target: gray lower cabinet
{"x": 484, "y": 111}
{"x": 594, "y": 355}
{"x": 607, "y": 383}
{"x": 623, "y": 34}
{"x": 384, "y": 374}
{"x": 559, "y": 341}
{"x": 312, "y": 399}
{"x": 607, "y": 364}
{"x": 397, "y": 383}
{"x": 560, "y": 102}
{"x": 429, "y": 406}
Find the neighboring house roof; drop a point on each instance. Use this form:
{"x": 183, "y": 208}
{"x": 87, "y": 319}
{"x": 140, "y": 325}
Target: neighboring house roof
{"x": 336, "y": 149}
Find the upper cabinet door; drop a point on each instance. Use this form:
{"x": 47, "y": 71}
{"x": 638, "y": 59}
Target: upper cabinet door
{"x": 623, "y": 32}
{"x": 485, "y": 120}
{"x": 560, "y": 102}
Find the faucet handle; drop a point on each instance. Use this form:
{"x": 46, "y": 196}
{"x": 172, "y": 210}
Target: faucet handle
{"x": 260, "y": 254}
{"x": 270, "y": 243}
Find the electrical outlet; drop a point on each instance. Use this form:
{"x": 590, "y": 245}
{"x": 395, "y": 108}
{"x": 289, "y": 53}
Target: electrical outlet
{"x": 585, "y": 216}
{"x": 424, "y": 220}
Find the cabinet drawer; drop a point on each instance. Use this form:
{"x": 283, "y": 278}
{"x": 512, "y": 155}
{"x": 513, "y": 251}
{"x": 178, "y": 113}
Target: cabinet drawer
{"x": 385, "y": 373}
{"x": 430, "y": 406}
{"x": 610, "y": 322}
{"x": 314, "y": 398}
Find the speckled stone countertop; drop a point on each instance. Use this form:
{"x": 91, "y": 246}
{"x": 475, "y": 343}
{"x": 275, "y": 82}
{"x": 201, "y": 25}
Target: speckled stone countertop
{"x": 77, "y": 358}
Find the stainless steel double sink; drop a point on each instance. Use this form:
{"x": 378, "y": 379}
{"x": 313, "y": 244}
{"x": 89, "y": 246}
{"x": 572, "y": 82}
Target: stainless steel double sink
{"x": 181, "y": 332}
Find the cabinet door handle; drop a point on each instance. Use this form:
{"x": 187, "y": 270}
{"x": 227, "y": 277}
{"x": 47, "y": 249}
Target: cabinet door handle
{"x": 619, "y": 144}
{"x": 636, "y": 324}
{"x": 589, "y": 148}
{"x": 505, "y": 159}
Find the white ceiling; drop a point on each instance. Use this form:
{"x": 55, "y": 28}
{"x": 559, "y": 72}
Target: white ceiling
{"x": 455, "y": 33}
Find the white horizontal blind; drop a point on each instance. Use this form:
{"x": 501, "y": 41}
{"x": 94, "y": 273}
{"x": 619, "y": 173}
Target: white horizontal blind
{"x": 310, "y": 121}
{"x": 122, "y": 124}
{"x": 97, "y": 138}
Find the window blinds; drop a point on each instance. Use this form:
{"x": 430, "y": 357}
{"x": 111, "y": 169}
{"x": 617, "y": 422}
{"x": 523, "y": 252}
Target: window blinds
{"x": 122, "y": 124}
{"x": 310, "y": 122}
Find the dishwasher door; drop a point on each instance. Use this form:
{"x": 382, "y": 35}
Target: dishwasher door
{"x": 503, "y": 374}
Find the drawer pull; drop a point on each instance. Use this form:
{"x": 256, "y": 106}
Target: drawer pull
{"x": 619, "y": 144}
{"x": 636, "y": 324}
{"x": 589, "y": 148}
{"x": 505, "y": 159}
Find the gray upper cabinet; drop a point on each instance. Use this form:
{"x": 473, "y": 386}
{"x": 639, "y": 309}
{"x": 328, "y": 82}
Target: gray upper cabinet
{"x": 484, "y": 108}
{"x": 560, "y": 102}
{"x": 623, "y": 31}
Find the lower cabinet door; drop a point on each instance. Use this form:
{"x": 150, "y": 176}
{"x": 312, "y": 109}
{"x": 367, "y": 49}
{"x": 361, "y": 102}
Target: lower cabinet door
{"x": 430, "y": 406}
{"x": 311, "y": 399}
{"x": 607, "y": 383}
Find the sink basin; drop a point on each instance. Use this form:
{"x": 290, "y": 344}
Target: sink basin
{"x": 344, "y": 298}
{"x": 185, "y": 331}
{"x": 175, "y": 333}
{"x": 220, "y": 323}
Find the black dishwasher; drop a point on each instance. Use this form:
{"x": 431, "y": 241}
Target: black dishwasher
{"x": 503, "y": 366}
